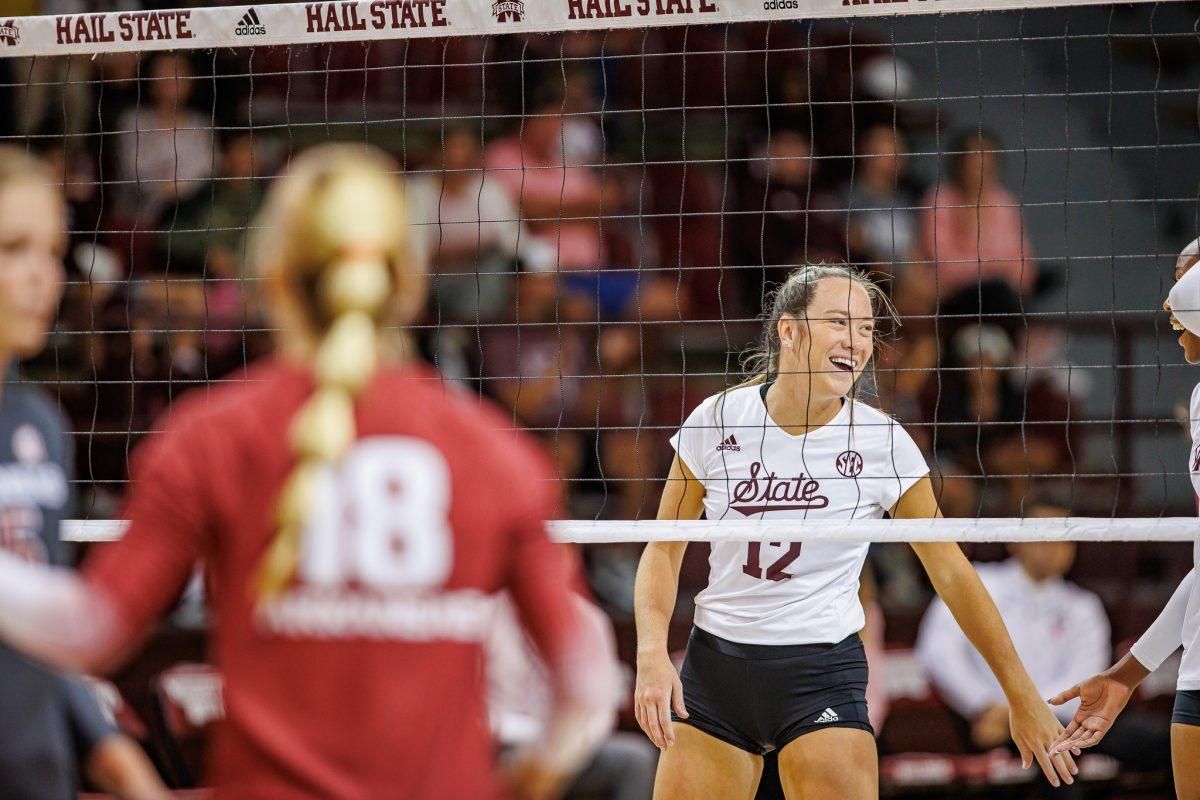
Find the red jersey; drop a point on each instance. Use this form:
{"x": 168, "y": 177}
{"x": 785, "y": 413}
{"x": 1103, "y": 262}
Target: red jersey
{"x": 363, "y": 679}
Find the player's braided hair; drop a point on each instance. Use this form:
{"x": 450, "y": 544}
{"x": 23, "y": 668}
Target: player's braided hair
{"x": 793, "y": 297}
{"x": 333, "y": 245}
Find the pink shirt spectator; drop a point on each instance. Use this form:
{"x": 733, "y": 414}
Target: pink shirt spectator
{"x": 969, "y": 244}
{"x": 559, "y": 204}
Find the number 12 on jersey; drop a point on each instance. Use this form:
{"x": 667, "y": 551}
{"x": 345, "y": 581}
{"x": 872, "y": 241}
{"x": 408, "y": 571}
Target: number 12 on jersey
{"x": 775, "y": 572}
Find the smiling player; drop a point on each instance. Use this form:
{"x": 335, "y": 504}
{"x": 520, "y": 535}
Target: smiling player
{"x": 775, "y": 661}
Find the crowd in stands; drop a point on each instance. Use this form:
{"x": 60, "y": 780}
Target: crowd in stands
{"x": 601, "y": 232}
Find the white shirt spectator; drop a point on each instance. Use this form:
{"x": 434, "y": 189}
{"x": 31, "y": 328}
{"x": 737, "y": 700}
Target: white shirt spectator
{"x": 162, "y": 162}
{"x": 1060, "y": 632}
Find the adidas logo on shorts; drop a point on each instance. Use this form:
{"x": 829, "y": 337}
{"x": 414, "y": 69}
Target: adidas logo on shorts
{"x": 730, "y": 444}
{"x": 829, "y": 715}
{"x": 250, "y": 25}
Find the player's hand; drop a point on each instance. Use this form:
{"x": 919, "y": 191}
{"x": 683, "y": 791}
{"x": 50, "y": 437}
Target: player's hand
{"x": 657, "y": 691}
{"x": 1034, "y": 731}
{"x": 1101, "y": 699}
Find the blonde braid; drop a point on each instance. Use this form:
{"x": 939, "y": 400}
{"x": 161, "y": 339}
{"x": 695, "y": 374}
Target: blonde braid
{"x": 349, "y": 213}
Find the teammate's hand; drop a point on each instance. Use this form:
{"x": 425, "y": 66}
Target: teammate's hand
{"x": 1101, "y": 699}
{"x": 658, "y": 689}
{"x": 1034, "y": 731}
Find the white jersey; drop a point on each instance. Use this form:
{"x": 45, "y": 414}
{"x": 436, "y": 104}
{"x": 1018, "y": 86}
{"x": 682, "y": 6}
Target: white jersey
{"x": 1189, "y": 669}
{"x": 856, "y": 466}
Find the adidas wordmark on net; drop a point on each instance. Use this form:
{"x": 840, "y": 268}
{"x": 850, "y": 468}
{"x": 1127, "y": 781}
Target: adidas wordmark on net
{"x": 250, "y": 25}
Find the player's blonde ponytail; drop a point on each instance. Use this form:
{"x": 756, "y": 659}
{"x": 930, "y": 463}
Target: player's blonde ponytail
{"x": 333, "y": 246}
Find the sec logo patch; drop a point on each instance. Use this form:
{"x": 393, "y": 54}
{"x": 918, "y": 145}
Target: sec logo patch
{"x": 849, "y": 464}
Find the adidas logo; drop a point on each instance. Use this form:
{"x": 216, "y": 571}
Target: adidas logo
{"x": 730, "y": 444}
{"x": 250, "y": 25}
{"x": 829, "y": 715}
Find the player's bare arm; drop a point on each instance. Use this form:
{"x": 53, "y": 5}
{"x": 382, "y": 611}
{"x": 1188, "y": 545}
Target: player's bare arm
{"x": 1034, "y": 728}
{"x": 658, "y": 687}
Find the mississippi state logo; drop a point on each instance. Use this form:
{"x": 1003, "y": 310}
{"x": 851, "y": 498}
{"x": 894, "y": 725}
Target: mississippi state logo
{"x": 849, "y": 464}
{"x": 508, "y": 10}
{"x": 766, "y": 491}
{"x": 10, "y": 34}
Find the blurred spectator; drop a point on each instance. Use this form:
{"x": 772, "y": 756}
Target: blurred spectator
{"x": 205, "y": 237}
{"x": 533, "y": 364}
{"x": 583, "y": 138}
{"x": 560, "y": 202}
{"x": 1061, "y": 633}
{"x": 989, "y": 417}
{"x": 206, "y": 230}
{"x": 470, "y": 230}
{"x": 166, "y": 149}
{"x": 971, "y": 225}
{"x": 518, "y": 704}
{"x": 883, "y": 220}
{"x": 783, "y": 221}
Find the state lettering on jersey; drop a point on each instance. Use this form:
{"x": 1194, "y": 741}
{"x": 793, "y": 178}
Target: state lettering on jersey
{"x": 756, "y": 494}
{"x": 614, "y": 9}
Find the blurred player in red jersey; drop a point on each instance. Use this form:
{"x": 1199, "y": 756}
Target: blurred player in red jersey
{"x": 355, "y": 519}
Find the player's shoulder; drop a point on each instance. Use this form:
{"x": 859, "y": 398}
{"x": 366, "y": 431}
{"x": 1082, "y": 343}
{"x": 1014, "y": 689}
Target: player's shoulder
{"x": 1195, "y": 401}
{"x": 240, "y": 398}
{"x": 36, "y": 407}
{"x": 32, "y": 406}
{"x": 463, "y": 421}
{"x": 732, "y": 401}
{"x": 867, "y": 414}
{"x": 867, "y": 418}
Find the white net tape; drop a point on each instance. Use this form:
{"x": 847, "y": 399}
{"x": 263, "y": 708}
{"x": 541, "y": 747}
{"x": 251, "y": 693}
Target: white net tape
{"x": 321, "y": 23}
{"x": 1090, "y": 529}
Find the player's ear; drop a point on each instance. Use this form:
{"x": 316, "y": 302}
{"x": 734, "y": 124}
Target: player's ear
{"x": 788, "y": 330}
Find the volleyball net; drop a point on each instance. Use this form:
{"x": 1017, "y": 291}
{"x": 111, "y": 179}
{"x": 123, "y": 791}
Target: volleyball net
{"x": 606, "y": 189}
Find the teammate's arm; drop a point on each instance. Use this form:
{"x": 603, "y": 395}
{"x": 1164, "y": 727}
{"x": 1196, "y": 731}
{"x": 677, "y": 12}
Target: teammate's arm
{"x": 1034, "y": 727}
{"x": 1102, "y": 697}
{"x": 658, "y": 687}
{"x": 88, "y": 623}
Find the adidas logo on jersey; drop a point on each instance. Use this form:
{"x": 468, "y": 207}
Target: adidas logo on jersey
{"x": 829, "y": 715}
{"x": 730, "y": 444}
{"x": 250, "y": 25}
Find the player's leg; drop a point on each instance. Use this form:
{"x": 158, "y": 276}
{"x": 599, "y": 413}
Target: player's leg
{"x": 830, "y": 764}
{"x": 1185, "y": 759}
{"x": 699, "y": 766}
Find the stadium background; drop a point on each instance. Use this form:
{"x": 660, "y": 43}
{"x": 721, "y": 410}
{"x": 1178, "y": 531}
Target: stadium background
{"x": 639, "y": 285}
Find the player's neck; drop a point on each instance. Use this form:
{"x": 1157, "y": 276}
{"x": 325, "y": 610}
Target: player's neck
{"x": 793, "y": 407}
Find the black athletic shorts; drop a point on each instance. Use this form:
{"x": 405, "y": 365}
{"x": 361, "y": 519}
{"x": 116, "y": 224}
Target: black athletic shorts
{"x": 761, "y": 697}
{"x": 1187, "y": 709}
